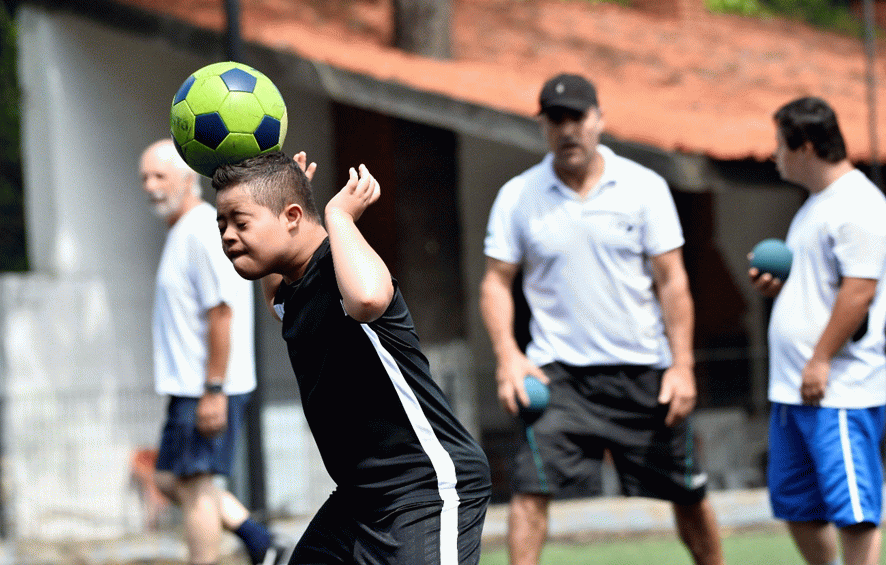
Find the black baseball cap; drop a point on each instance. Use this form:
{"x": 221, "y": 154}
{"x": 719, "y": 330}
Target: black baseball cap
{"x": 572, "y": 92}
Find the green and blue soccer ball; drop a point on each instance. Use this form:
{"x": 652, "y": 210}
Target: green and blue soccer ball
{"x": 225, "y": 113}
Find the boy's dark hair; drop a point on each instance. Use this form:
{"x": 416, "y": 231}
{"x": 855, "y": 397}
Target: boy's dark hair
{"x": 274, "y": 180}
{"x": 812, "y": 119}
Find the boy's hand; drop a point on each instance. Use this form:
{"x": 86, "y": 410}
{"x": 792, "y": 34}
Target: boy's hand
{"x": 765, "y": 283}
{"x": 356, "y": 196}
{"x": 301, "y": 159}
{"x": 815, "y": 381}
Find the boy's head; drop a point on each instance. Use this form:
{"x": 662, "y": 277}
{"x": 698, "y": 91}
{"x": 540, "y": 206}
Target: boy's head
{"x": 265, "y": 211}
{"x": 273, "y": 179}
{"x": 811, "y": 120}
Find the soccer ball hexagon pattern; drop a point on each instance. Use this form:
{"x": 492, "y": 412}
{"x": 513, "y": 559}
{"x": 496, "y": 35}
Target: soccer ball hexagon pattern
{"x": 225, "y": 113}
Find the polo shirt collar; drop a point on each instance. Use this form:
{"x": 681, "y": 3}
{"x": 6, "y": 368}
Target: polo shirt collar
{"x": 608, "y": 180}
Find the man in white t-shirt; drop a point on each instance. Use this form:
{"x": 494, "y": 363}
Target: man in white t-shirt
{"x": 827, "y": 335}
{"x": 600, "y": 245}
{"x": 204, "y": 362}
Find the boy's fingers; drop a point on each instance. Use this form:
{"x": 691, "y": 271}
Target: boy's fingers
{"x": 352, "y": 180}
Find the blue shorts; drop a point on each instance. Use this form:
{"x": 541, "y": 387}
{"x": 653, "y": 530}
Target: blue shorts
{"x": 824, "y": 464}
{"x": 186, "y": 452}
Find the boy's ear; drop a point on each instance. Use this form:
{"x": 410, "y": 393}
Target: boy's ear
{"x": 293, "y": 214}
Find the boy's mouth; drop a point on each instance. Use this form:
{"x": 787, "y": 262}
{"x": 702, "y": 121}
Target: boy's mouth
{"x": 234, "y": 253}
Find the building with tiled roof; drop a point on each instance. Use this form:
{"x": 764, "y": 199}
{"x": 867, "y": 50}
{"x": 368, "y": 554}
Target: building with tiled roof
{"x": 670, "y": 73}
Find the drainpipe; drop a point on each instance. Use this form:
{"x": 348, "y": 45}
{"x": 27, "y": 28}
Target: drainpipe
{"x": 233, "y": 41}
{"x": 255, "y": 462}
{"x": 868, "y": 6}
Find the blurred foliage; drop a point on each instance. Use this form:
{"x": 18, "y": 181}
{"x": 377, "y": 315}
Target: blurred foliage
{"x": 625, "y": 3}
{"x": 741, "y": 7}
{"x": 832, "y": 15}
{"x": 13, "y": 256}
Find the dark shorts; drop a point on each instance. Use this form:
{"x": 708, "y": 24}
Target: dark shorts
{"x": 186, "y": 452}
{"x": 414, "y": 534}
{"x": 599, "y": 408}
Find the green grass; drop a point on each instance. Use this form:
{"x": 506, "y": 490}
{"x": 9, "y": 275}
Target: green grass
{"x": 747, "y": 548}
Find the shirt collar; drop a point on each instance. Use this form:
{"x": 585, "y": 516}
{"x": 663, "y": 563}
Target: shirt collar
{"x": 608, "y": 180}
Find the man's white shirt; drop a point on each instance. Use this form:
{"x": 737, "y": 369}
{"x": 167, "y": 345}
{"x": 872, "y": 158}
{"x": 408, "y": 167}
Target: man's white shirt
{"x": 839, "y": 232}
{"x": 193, "y": 276}
{"x": 587, "y": 274}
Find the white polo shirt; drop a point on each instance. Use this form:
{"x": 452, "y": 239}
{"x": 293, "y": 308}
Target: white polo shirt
{"x": 194, "y": 276}
{"x": 839, "y": 232}
{"x": 587, "y": 275}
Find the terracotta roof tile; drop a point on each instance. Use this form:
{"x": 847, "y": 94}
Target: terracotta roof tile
{"x": 695, "y": 84}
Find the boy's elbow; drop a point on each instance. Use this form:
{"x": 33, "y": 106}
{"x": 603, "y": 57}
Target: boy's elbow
{"x": 365, "y": 311}
{"x": 371, "y": 306}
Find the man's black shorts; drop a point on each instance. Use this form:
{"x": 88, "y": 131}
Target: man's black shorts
{"x": 415, "y": 534}
{"x": 592, "y": 409}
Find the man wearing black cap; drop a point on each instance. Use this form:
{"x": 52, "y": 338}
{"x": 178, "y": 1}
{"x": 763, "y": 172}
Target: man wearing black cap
{"x": 600, "y": 246}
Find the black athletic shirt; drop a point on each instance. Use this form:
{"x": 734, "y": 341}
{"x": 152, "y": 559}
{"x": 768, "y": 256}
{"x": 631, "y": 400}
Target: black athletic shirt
{"x": 385, "y": 431}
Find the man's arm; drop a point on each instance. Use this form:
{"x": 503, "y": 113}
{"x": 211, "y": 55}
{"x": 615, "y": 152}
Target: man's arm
{"x": 851, "y": 306}
{"x": 678, "y": 382}
{"x": 212, "y": 408}
{"x": 497, "y": 310}
{"x": 363, "y": 278}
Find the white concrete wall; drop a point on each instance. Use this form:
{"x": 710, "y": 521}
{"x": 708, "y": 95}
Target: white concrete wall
{"x": 93, "y": 98}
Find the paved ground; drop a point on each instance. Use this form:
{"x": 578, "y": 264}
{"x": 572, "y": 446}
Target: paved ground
{"x": 572, "y": 519}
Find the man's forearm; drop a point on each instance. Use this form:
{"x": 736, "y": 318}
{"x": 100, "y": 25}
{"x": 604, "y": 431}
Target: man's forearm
{"x": 851, "y": 306}
{"x": 678, "y": 314}
{"x": 219, "y": 334}
{"x": 679, "y": 321}
{"x": 497, "y": 309}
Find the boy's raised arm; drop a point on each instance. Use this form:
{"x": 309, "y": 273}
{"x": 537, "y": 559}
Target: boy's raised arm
{"x": 363, "y": 278}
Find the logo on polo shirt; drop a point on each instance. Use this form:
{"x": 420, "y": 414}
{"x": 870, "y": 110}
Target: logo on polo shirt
{"x": 625, "y": 225}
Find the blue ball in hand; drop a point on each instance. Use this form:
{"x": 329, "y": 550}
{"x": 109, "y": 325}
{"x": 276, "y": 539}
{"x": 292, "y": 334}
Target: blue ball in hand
{"x": 538, "y": 398}
{"x": 772, "y": 256}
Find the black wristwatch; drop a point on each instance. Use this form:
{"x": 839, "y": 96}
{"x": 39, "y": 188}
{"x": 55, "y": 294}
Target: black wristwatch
{"x": 214, "y": 387}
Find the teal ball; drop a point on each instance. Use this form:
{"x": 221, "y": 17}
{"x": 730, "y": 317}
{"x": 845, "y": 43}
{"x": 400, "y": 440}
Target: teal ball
{"x": 772, "y": 256}
{"x": 538, "y": 396}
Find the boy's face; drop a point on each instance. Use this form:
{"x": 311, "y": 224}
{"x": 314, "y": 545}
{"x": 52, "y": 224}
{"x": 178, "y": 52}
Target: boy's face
{"x": 254, "y": 238}
{"x": 787, "y": 162}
